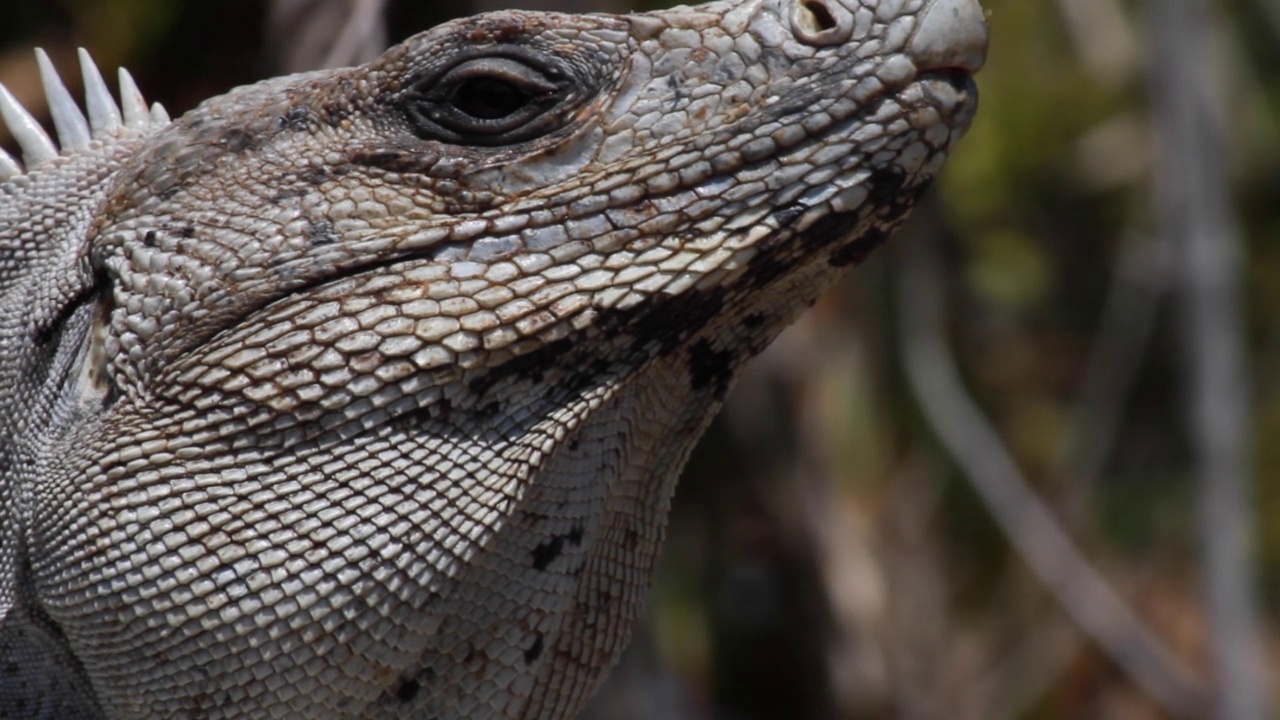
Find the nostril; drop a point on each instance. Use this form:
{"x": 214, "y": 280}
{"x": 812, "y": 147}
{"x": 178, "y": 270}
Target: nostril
{"x": 819, "y": 15}
{"x": 821, "y": 22}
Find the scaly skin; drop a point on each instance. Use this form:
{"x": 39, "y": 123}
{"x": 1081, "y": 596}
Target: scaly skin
{"x": 362, "y": 393}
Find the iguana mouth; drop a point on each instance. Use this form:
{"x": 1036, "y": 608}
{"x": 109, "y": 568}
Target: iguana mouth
{"x": 957, "y": 77}
{"x": 952, "y": 90}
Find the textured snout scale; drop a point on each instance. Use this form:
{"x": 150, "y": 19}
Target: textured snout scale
{"x": 363, "y": 393}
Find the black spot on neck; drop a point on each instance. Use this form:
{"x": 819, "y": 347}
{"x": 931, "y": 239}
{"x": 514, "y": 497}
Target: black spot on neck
{"x": 548, "y": 551}
{"x": 408, "y": 690}
{"x": 710, "y": 368}
{"x": 666, "y": 322}
{"x": 489, "y": 412}
{"x": 789, "y": 214}
{"x": 884, "y": 185}
{"x": 532, "y": 652}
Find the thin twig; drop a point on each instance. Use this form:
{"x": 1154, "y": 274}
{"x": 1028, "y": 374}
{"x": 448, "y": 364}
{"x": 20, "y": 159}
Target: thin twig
{"x": 1032, "y": 528}
{"x": 1124, "y": 334}
{"x": 1195, "y": 215}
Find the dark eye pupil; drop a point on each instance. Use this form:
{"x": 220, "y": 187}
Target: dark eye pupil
{"x": 489, "y": 98}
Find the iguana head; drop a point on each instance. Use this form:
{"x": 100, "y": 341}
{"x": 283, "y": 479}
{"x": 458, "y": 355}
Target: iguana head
{"x": 380, "y": 378}
{"x": 684, "y": 146}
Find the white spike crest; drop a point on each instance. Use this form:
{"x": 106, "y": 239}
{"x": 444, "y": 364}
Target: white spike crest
{"x": 36, "y": 145}
{"x": 74, "y": 131}
{"x": 136, "y": 114}
{"x": 104, "y": 116}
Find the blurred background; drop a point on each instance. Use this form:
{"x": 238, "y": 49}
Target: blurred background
{"x": 1024, "y": 463}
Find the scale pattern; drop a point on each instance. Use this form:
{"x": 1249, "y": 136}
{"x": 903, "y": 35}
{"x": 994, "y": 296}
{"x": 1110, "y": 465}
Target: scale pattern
{"x": 363, "y": 393}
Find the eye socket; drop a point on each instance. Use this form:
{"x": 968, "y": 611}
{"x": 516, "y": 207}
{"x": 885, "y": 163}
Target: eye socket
{"x": 487, "y": 101}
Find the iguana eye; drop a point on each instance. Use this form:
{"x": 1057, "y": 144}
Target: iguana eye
{"x": 497, "y": 89}
{"x": 487, "y": 101}
{"x": 490, "y": 99}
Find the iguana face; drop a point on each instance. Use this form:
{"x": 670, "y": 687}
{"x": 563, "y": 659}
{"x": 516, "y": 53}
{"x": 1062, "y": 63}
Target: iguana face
{"x": 379, "y": 379}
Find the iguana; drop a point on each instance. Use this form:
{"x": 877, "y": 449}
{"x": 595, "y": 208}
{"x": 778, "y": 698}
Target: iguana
{"x": 362, "y": 393}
